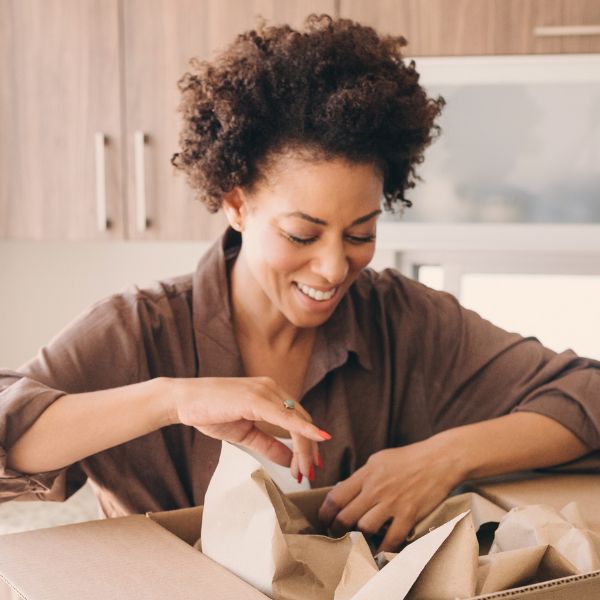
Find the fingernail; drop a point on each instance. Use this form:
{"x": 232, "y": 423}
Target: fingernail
{"x": 324, "y": 434}
{"x": 319, "y": 461}
{"x": 299, "y": 477}
{"x": 311, "y": 474}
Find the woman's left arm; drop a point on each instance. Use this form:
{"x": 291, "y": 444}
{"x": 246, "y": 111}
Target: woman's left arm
{"x": 470, "y": 400}
{"x": 400, "y": 486}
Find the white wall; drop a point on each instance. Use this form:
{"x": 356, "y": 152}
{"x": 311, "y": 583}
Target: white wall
{"x": 44, "y": 285}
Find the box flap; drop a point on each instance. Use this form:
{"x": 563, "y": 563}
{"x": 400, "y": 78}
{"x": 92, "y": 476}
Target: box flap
{"x": 185, "y": 523}
{"x": 124, "y": 558}
{"x": 554, "y": 490}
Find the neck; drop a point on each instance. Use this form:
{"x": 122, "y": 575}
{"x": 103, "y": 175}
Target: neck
{"x": 254, "y": 315}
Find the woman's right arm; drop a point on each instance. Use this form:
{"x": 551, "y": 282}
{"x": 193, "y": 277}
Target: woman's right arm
{"x": 78, "y": 425}
{"x": 97, "y": 385}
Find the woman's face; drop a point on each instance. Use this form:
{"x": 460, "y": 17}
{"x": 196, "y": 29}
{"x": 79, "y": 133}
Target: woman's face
{"x": 308, "y": 229}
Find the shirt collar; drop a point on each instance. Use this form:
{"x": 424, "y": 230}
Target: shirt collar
{"x": 217, "y": 350}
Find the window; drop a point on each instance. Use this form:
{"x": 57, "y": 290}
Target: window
{"x": 561, "y": 309}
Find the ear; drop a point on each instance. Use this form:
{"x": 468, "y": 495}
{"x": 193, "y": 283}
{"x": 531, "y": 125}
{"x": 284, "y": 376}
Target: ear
{"x": 234, "y": 206}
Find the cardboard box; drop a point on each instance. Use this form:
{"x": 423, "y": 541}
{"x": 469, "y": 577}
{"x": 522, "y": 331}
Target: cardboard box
{"x": 152, "y": 557}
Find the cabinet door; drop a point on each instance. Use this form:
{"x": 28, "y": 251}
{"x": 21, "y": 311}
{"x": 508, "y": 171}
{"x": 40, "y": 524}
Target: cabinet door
{"x": 462, "y": 27}
{"x": 546, "y": 26}
{"x": 577, "y": 13}
{"x": 160, "y": 38}
{"x": 60, "y": 145}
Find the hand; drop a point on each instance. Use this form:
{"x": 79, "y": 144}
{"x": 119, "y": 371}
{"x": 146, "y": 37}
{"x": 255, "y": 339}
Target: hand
{"x": 399, "y": 484}
{"x": 227, "y": 408}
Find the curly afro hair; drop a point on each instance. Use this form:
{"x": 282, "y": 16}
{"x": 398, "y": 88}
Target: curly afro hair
{"x": 336, "y": 89}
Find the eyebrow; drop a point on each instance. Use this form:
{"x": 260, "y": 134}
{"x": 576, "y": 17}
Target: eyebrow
{"x": 310, "y": 219}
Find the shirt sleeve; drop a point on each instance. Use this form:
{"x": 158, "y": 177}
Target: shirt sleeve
{"x": 99, "y": 350}
{"x": 473, "y": 370}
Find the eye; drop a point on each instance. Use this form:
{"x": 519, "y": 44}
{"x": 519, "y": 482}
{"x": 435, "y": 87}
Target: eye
{"x": 361, "y": 239}
{"x": 298, "y": 240}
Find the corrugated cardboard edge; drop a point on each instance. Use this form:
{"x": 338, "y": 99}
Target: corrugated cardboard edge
{"x": 575, "y": 587}
{"x": 8, "y": 591}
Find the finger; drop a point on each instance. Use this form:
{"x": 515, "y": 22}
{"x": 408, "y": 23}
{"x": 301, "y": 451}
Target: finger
{"x": 279, "y": 395}
{"x": 294, "y": 469}
{"x": 303, "y": 449}
{"x": 267, "y": 445}
{"x": 298, "y": 407}
{"x": 317, "y": 456}
{"x": 374, "y": 519}
{"x": 308, "y": 449}
{"x": 396, "y": 534}
{"x": 347, "y": 518}
{"x": 343, "y": 493}
{"x": 294, "y": 420}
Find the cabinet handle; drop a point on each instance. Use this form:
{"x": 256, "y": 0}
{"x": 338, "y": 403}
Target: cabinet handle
{"x": 139, "y": 141}
{"x": 567, "y": 30}
{"x": 101, "y": 218}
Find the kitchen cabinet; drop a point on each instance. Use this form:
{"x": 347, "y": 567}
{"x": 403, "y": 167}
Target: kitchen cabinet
{"x": 484, "y": 27}
{"x": 88, "y": 115}
{"x": 88, "y": 101}
{"x": 60, "y": 122}
{"x": 584, "y": 13}
{"x": 160, "y": 37}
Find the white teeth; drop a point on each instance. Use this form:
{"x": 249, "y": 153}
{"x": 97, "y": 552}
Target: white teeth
{"x": 316, "y": 294}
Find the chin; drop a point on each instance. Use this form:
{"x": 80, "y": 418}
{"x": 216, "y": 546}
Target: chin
{"x": 309, "y": 322}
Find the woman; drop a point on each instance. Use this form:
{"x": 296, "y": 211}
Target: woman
{"x": 297, "y": 137}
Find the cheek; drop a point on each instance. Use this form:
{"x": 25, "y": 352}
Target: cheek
{"x": 279, "y": 257}
{"x": 360, "y": 257}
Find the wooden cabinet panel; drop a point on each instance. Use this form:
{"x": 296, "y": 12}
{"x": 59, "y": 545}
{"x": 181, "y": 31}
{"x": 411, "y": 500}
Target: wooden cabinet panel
{"x": 59, "y": 68}
{"x": 227, "y": 18}
{"x": 432, "y": 27}
{"x": 160, "y": 38}
{"x": 465, "y": 27}
{"x": 581, "y": 12}
{"x": 515, "y": 22}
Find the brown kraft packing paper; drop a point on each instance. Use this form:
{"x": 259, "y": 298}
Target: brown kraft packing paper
{"x": 250, "y": 527}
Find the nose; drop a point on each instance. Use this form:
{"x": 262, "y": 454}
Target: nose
{"x": 332, "y": 263}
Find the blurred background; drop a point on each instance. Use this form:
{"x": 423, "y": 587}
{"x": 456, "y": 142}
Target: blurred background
{"x": 507, "y": 216}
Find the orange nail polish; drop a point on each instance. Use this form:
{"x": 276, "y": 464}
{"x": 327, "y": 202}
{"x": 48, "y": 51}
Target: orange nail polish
{"x": 311, "y": 474}
{"x": 299, "y": 477}
{"x": 324, "y": 434}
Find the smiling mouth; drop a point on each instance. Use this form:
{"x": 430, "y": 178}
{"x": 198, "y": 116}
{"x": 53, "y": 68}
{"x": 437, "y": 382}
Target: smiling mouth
{"x": 318, "y": 295}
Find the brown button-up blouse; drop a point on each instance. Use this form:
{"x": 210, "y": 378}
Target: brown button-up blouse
{"x": 396, "y": 363}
